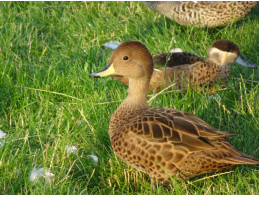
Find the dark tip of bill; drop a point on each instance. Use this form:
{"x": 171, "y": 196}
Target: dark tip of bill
{"x": 254, "y": 66}
{"x": 93, "y": 75}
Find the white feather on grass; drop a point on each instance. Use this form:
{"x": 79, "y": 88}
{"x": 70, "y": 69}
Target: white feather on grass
{"x": 2, "y": 135}
{"x": 94, "y": 158}
{"x": 79, "y": 122}
{"x": 176, "y": 50}
{"x": 215, "y": 97}
{"x": 2, "y": 143}
{"x": 71, "y": 149}
{"x": 43, "y": 174}
{"x": 112, "y": 45}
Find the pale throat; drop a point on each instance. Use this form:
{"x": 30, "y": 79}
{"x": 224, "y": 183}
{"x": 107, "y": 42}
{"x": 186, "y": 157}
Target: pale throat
{"x": 219, "y": 57}
{"x": 137, "y": 93}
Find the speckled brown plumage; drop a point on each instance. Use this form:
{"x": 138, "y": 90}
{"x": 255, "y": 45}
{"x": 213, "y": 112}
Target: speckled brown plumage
{"x": 202, "y": 13}
{"x": 162, "y": 141}
{"x": 193, "y": 69}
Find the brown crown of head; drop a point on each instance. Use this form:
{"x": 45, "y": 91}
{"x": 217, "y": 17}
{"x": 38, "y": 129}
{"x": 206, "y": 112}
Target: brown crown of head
{"x": 226, "y": 45}
{"x": 132, "y": 57}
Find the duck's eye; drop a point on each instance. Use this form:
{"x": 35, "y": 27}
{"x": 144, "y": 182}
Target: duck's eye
{"x": 125, "y": 58}
{"x": 228, "y": 50}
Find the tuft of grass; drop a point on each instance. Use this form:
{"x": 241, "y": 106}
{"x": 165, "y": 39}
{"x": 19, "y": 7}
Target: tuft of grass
{"x": 47, "y": 51}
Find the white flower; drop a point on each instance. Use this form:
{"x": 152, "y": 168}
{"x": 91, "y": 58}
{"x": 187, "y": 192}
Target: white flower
{"x": 43, "y": 174}
{"x": 94, "y": 158}
{"x": 112, "y": 45}
{"x": 2, "y": 143}
{"x": 176, "y": 50}
{"x": 71, "y": 149}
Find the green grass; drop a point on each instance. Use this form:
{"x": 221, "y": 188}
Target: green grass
{"x": 47, "y": 51}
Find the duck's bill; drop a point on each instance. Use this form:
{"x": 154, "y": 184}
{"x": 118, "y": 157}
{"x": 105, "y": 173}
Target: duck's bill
{"x": 242, "y": 61}
{"x": 107, "y": 71}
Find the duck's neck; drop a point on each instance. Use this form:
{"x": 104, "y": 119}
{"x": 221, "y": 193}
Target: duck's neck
{"x": 222, "y": 67}
{"x": 135, "y": 102}
{"x": 137, "y": 94}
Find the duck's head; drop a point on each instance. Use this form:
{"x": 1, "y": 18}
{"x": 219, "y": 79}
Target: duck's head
{"x": 130, "y": 59}
{"x": 225, "y": 52}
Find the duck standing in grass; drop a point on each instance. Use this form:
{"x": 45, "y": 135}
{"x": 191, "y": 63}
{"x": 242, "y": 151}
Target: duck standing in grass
{"x": 162, "y": 141}
{"x": 202, "y": 13}
{"x": 183, "y": 69}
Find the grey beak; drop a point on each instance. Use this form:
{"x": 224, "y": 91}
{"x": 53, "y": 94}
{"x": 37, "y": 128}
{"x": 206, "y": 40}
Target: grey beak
{"x": 243, "y": 62}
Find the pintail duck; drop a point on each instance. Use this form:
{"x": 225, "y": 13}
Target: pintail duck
{"x": 202, "y": 13}
{"x": 162, "y": 141}
{"x": 195, "y": 70}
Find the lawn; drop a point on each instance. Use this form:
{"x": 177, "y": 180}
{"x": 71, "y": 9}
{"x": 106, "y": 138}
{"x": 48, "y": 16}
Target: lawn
{"x": 47, "y": 100}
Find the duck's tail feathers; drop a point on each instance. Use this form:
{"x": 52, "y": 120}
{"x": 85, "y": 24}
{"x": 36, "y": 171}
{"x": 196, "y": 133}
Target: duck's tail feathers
{"x": 226, "y": 133}
{"x": 242, "y": 159}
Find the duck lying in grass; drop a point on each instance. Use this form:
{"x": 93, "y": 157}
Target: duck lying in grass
{"x": 202, "y": 13}
{"x": 184, "y": 69}
{"x": 162, "y": 141}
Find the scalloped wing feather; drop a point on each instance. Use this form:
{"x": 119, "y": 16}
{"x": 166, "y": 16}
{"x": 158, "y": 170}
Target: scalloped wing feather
{"x": 172, "y": 126}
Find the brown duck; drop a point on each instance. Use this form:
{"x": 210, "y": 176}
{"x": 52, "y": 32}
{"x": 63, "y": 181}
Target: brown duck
{"x": 162, "y": 141}
{"x": 184, "y": 69}
{"x": 202, "y": 13}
